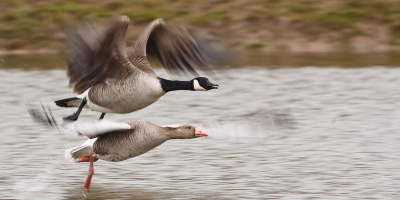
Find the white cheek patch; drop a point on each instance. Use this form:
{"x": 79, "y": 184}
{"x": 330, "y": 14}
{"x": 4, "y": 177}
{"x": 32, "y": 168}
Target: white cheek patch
{"x": 197, "y": 87}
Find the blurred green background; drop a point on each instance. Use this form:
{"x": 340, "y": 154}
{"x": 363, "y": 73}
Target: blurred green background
{"x": 247, "y": 26}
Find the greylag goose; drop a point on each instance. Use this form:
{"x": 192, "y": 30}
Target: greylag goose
{"x": 114, "y": 142}
{"x": 108, "y": 79}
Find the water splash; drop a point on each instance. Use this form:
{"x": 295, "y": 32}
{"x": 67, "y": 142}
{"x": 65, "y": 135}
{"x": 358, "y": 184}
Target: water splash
{"x": 254, "y": 125}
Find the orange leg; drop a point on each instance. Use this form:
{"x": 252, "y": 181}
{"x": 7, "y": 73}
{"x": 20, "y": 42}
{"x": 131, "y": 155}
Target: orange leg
{"x": 91, "y": 172}
{"x": 86, "y": 159}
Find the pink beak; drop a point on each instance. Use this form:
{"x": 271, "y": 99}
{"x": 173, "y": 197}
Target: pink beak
{"x": 199, "y": 133}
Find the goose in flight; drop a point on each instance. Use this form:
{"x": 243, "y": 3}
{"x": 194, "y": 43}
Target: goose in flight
{"x": 114, "y": 141}
{"x": 110, "y": 79}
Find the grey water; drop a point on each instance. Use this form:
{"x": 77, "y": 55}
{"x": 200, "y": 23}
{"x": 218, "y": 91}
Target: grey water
{"x": 282, "y": 133}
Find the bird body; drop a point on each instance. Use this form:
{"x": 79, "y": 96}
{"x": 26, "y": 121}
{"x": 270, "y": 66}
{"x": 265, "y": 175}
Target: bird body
{"x": 128, "y": 144}
{"x": 126, "y": 95}
{"x": 113, "y": 141}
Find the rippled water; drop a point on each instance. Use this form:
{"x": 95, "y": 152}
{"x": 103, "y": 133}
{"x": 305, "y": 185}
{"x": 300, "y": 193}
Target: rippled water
{"x": 293, "y": 133}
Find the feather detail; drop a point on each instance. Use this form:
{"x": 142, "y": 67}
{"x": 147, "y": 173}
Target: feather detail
{"x": 75, "y": 153}
{"x": 96, "y": 128}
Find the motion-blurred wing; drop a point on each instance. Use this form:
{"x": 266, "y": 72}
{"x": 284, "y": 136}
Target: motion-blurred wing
{"x": 97, "y": 128}
{"x": 42, "y": 115}
{"x": 179, "y": 51}
{"x": 94, "y": 52}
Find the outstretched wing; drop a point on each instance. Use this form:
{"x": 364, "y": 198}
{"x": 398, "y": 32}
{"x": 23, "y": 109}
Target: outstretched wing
{"x": 97, "y": 128}
{"x": 42, "y": 115}
{"x": 179, "y": 51}
{"x": 95, "y": 52}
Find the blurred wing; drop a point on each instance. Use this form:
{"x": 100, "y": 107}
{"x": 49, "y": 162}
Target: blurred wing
{"x": 42, "y": 115}
{"x": 179, "y": 51}
{"x": 94, "y": 52}
{"x": 97, "y": 128}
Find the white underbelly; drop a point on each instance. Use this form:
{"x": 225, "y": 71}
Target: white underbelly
{"x": 96, "y": 107}
{"x": 124, "y": 106}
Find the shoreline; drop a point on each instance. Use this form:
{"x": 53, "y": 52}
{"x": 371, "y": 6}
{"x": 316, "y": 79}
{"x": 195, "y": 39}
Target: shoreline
{"x": 44, "y": 51}
{"x": 49, "y": 59}
{"x": 22, "y": 52}
{"x": 265, "y": 27}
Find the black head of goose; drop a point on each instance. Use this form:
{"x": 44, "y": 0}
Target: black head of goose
{"x": 197, "y": 84}
{"x": 110, "y": 79}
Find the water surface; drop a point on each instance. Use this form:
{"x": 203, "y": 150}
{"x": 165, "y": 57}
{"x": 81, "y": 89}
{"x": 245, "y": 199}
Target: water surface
{"x": 292, "y": 133}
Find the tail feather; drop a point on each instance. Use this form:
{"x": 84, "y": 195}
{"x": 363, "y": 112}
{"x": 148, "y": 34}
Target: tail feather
{"x": 69, "y": 102}
{"x": 75, "y": 153}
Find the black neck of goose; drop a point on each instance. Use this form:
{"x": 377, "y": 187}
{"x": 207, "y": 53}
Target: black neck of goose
{"x": 168, "y": 85}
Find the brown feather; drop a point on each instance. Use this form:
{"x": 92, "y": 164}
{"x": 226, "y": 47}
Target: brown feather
{"x": 92, "y": 54}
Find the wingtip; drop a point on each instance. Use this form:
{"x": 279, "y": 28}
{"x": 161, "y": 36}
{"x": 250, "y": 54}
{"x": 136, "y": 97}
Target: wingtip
{"x": 159, "y": 21}
{"x": 124, "y": 18}
{"x": 68, "y": 156}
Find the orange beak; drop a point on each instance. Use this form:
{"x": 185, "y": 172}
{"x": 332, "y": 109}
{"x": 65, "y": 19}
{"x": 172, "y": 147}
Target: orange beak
{"x": 199, "y": 133}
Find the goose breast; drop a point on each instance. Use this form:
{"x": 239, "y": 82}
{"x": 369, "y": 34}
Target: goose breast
{"x": 125, "y": 96}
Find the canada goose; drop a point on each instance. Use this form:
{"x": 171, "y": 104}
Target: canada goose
{"x": 114, "y": 141}
{"x": 109, "y": 80}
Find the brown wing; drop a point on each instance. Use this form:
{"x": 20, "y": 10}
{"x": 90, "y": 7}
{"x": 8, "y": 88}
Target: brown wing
{"x": 179, "y": 51}
{"x": 95, "y": 52}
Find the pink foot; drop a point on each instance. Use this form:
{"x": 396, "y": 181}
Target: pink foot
{"x": 91, "y": 172}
